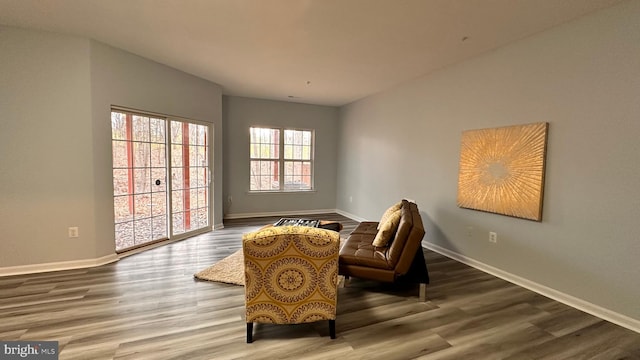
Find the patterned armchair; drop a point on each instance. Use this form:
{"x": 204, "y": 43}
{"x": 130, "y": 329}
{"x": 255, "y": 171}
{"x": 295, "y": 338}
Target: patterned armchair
{"x": 291, "y": 275}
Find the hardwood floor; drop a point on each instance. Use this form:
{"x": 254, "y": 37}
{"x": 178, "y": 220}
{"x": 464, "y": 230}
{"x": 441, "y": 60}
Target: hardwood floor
{"x": 149, "y": 306}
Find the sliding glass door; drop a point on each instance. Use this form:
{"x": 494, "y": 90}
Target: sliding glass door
{"x": 189, "y": 176}
{"x": 141, "y": 150}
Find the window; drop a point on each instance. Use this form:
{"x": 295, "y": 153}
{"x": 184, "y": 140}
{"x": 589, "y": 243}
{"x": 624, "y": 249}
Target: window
{"x": 281, "y": 159}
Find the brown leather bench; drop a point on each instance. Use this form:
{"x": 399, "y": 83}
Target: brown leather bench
{"x": 401, "y": 259}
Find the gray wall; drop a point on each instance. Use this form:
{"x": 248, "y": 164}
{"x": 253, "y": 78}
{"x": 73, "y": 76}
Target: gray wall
{"x": 46, "y": 165}
{"x": 241, "y": 113}
{"x": 584, "y": 79}
{"x": 55, "y": 147}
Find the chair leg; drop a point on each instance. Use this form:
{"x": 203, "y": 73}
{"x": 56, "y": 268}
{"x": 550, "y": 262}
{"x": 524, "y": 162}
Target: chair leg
{"x": 332, "y": 329}
{"x": 249, "y": 333}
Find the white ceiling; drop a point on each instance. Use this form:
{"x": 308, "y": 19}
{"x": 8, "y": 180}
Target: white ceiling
{"x": 328, "y": 52}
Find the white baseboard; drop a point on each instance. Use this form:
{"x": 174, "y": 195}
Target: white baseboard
{"x": 580, "y": 304}
{"x": 218, "y": 226}
{"x": 351, "y": 216}
{"x": 279, "y": 213}
{"x": 57, "y": 266}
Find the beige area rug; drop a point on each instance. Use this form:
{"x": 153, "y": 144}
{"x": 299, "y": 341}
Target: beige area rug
{"x": 228, "y": 270}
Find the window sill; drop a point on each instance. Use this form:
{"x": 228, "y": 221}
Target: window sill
{"x": 281, "y": 192}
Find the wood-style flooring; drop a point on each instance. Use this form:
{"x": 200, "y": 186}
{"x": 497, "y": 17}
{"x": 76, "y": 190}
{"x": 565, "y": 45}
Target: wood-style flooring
{"x": 149, "y": 306}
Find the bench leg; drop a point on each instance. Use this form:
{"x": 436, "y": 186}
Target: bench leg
{"x": 345, "y": 282}
{"x": 423, "y": 292}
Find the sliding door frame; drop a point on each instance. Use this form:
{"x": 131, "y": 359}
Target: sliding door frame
{"x": 171, "y": 237}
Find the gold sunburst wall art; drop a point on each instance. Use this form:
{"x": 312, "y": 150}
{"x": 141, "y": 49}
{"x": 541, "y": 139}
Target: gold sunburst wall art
{"x": 502, "y": 170}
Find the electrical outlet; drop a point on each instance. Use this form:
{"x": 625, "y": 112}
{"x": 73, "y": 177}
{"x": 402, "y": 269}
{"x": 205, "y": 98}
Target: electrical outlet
{"x": 350, "y": 199}
{"x": 74, "y": 232}
{"x": 493, "y": 237}
{"x": 469, "y": 231}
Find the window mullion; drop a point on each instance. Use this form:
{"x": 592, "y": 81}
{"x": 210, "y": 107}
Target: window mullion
{"x": 281, "y": 160}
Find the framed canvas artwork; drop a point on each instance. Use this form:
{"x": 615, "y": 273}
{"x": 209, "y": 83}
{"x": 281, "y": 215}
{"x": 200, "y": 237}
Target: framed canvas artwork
{"x": 502, "y": 170}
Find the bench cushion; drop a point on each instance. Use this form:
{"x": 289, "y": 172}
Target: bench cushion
{"x": 358, "y": 250}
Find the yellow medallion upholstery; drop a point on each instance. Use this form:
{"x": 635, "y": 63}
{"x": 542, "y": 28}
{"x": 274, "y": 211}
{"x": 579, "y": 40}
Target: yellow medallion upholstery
{"x": 291, "y": 275}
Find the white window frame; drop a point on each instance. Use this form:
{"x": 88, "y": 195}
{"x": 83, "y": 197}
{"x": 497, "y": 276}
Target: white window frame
{"x": 281, "y": 161}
